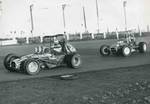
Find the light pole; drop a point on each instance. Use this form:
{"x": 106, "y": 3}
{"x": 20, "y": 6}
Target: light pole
{"x": 125, "y": 17}
{"x": 31, "y": 16}
{"x": 97, "y": 13}
{"x": 1, "y": 26}
{"x": 64, "y": 20}
{"x": 84, "y": 17}
{"x": 0, "y": 8}
{"x": 63, "y": 14}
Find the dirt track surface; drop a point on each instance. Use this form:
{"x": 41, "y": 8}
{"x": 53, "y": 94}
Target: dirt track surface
{"x": 130, "y": 85}
{"x": 91, "y": 59}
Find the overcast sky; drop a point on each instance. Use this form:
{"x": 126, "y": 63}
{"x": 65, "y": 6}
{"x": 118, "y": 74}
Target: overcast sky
{"x": 47, "y": 15}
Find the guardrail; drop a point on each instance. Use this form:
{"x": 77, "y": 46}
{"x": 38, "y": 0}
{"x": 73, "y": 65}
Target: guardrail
{"x": 72, "y": 37}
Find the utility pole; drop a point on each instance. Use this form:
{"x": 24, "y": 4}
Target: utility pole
{"x": 84, "y": 17}
{"x": 31, "y": 16}
{"x": 64, "y": 20}
{"x": 63, "y": 13}
{"x": 125, "y": 17}
{"x": 0, "y": 8}
{"x": 97, "y": 13}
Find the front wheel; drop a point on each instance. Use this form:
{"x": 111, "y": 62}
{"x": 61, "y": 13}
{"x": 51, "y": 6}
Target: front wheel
{"x": 8, "y": 60}
{"x": 142, "y": 47}
{"x": 31, "y": 67}
{"x": 73, "y": 60}
{"x": 105, "y": 50}
{"x": 126, "y": 51}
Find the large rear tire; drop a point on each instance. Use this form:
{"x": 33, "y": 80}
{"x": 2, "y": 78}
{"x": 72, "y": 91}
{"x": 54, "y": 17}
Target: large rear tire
{"x": 105, "y": 50}
{"x": 142, "y": 47}
{"x": 73, "y": 60}
{"x": 126, "y": 51}
{"x": 7, "y": 62}
{"x": 31, "y": 67}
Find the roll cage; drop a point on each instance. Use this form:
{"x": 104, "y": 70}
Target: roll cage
{"x": 129, "y": 38}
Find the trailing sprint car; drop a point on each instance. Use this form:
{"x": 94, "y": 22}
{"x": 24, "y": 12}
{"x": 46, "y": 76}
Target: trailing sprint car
{"x": 124, "y": 47}
{"x": 59, "y": 53}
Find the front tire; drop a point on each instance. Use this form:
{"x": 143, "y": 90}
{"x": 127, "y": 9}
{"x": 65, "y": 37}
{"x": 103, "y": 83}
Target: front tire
{"x": 73, "y": 60}
{"x": 105, "y": 50}
{"x": 142, "y": 47}
{"x": 7, "y": 62}
{"x": 126, "y": 51}
{"x": 31, "y": 67}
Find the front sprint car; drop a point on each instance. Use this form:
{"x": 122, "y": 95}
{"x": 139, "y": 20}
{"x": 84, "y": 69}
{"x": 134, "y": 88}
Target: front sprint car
{"x": 58, "y": 54}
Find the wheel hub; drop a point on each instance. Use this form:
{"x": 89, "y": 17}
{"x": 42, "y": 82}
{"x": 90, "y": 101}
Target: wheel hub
{"x": 105, "y": 50}
{"x": 33, "y": 67}
{"x": 144, "y": 47}
{"x": 127, "y": 51}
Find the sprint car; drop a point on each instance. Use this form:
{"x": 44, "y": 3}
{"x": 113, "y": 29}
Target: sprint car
{"x": 59, "y": 53}
{"x": 124, "y": 47}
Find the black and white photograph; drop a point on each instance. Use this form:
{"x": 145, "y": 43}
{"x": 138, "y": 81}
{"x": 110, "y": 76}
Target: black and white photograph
{"x": 74, "y": 52}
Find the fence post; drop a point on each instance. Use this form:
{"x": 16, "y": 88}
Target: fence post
{"x": 139, "y": 30}
{"x": 67, "y": 35}
{"x": 41, "y": 39}
{"x": 104, "y": 34}
{"x": 92, "y": 36}
{"x": 148, "y": 28}
{"x": 140, "y": 33}
{"x": 1, "y": 43}
{"x": 117, "y": 35}
{"x": 27, "y": 40}
{"x": 80, "y": 35}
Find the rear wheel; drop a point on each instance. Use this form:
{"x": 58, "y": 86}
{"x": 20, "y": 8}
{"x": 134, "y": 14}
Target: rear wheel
{"x": 142, "y": 47}
{"x": 104, "y": 50}
{"x": 73, "y": 60}
{"x": 8, "y": 60}
{"x": 31, "y": 67}
{"x": 126, "y": 51}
